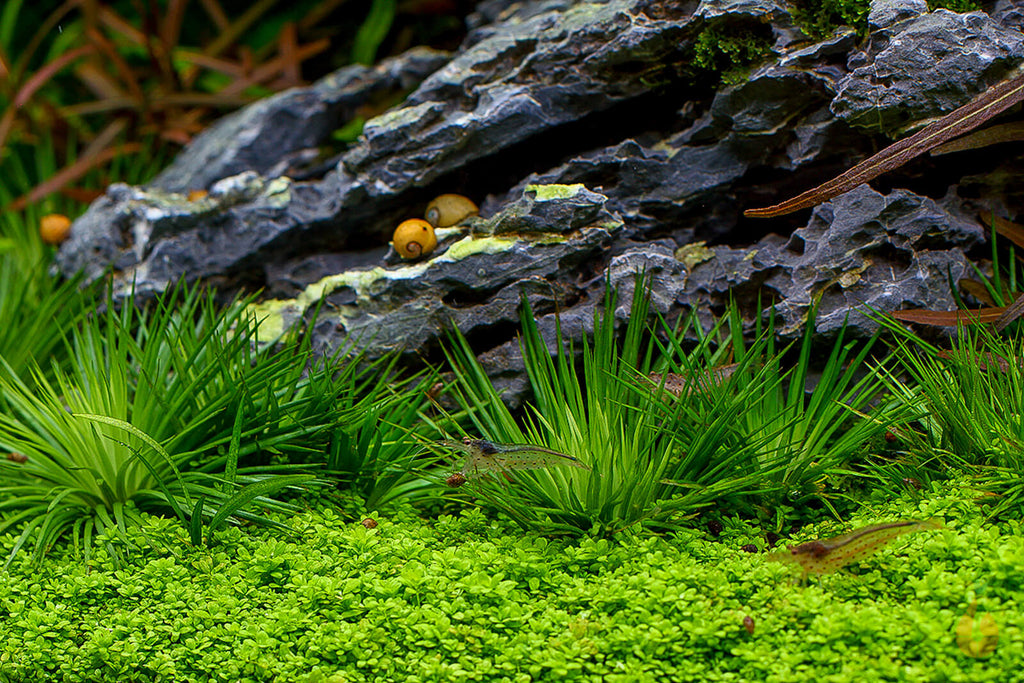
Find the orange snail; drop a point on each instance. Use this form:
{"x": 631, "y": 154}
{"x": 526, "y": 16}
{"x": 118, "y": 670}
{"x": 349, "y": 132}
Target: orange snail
{"x": 414, "y": 238}
{"x": 54, "y": 228}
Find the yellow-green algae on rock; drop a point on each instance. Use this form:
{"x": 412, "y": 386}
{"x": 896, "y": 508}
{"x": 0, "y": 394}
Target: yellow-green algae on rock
{"x": 693, "y": 254}
{"x": 275, "y": 317}
{"x": 547, "y": 193}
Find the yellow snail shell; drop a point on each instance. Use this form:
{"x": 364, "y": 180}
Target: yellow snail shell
{"x": 414, "y": 238}
{"x": 54, "y": 228}
{"x": 449, "y": 209}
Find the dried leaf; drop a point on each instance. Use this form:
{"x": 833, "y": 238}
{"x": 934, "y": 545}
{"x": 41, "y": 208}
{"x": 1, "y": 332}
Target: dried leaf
{"x": 949, "y": 318}
{"x": 977, "y": 638}
{"x": 71, "y": 173}
{"x": 977, "y": 290}
{"x": 157, "y": 94}
{"x": 287, "y": 46}
{"x": 126, "y": 73}
{"x": 45, "y": 29}
{"x": 1008, "y": 229}
{"x": 122, "y": 27}
{"x": 81, "y": 194}
{"x": 218, "y": 64}
{"x": 217, "y": 13}
{"x": 47, "y": 71}
{"x": 106, "y": 137}
{"x": 170, "y": 27}
{"x": 6, "y": 124}
{"x": 264, "y": 72}
{"x": 993, "y": 101}
{"x": 998, "y": 134}
{"x": 102, "y": 85}
{"x": 1010, "y": 313}
{"x": 230, "y": 35}
{"x": 984, "y": 361}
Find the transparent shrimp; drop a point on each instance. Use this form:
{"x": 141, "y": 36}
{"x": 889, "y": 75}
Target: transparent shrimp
{"x": 487, "y": 457}
{"x": 826, "y": 556}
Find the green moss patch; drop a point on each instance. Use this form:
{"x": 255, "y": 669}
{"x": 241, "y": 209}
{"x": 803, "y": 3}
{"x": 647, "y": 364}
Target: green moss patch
{"x": 466, "y": 598}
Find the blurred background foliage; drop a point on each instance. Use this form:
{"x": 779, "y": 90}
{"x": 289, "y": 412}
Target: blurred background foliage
{"x": 96, "y": 82}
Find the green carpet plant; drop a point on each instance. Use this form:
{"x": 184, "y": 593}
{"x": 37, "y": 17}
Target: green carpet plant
{"x": 463, "y": 597}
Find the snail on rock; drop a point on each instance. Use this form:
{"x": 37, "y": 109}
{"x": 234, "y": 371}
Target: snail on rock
{"x": 449, "y": 209}
{"x": 414, "y": 238}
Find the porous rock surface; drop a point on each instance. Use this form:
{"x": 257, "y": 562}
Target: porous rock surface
{"x": 597, "y": 146}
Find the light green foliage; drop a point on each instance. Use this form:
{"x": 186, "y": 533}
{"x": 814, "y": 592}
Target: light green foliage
{"x": 730, "y": 55}
{"x": 373, "y": 30}
{"x": 461, "y": 598}
{"x": 546, "y": 193}
{"x": 598, "y": 419}
{"x": 377, "y": 453}
{"x": 805, "y": 426}
{"x": 350, "y": 131}
{"x": 819, "y": 17}
{"x": 955, "y": 5}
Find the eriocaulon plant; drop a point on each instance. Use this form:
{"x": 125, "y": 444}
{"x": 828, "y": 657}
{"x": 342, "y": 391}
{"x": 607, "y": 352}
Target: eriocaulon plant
{"x": 968, "y": 406}
{"x": 156, "y": 411}
{"x": 757, "y": 432}
{"x": 752, "y": 439}
{"x": 378, "y": 452}
{"x": 592, "y": 418}
{"x": 802, "y": 427}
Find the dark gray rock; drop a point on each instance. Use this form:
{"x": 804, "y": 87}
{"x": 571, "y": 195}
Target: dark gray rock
{"x": 525, "y": 77}
{"x": 264, "y": 137}
{"x": 503, "y": 11}
{"x": 885, "y": 13}
{"x": 547, "y": 208}
{"x": 924, "y": 68}
{"x": 1009, "y": 13}
{"x": 535, "y": 74}
{"x": 152, "y": 238}
{"x": 473, "y": 281}
{"x": 767, "y": 10}
{"x": 688, "y": 183}
{"x": 504, "y": 363}
{"x": 861, "y": 251}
